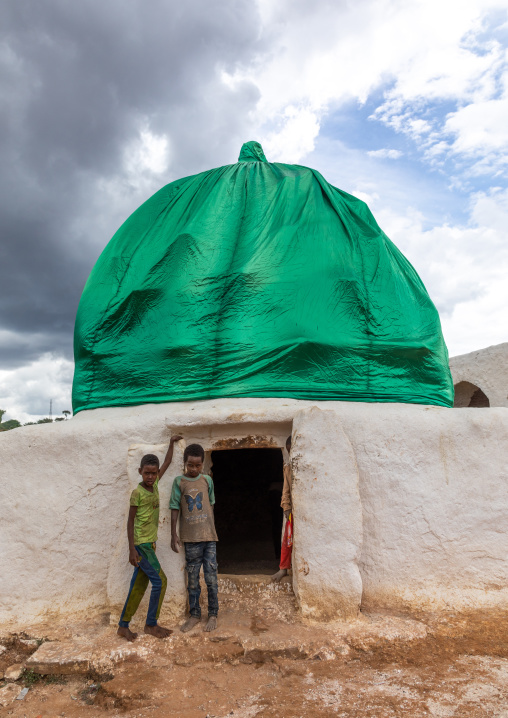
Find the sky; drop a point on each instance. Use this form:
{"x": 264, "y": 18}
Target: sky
{"x": 403, "y": 103}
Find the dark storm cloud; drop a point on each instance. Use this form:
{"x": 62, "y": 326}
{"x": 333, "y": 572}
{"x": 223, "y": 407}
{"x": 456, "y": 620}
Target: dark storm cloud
{"x": 78, "y": 80}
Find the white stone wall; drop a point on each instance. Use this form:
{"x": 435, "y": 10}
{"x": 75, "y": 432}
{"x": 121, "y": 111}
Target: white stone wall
{"x": 486, "y": 369}
{"x": 328, "y": 531}
{"x": 434, "y": 492}
{"x": 400, "y": 505}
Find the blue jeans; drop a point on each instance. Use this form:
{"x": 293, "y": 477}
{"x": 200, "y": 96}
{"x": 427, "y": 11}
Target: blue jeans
{"x": 196, "y": 554}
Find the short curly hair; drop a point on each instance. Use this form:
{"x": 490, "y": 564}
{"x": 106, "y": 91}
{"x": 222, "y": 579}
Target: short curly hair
{"x": 194, "y": 450}
{"x": 149, "y": 460}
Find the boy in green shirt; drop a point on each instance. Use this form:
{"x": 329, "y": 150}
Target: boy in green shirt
{"x": 142, "y": 527}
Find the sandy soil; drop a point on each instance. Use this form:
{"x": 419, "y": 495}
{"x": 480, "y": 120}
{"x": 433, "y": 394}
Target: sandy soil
{"x": 262, "y": 662}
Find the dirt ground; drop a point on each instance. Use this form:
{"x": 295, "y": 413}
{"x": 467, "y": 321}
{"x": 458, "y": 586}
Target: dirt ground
{"x": 264, "y": 662}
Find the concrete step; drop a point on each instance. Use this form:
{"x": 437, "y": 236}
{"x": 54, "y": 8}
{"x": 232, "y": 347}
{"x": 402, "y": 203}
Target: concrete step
{"x": 61, "y": 657}
{"x": 254, "y": 595}
{"x": 253, "y": 584}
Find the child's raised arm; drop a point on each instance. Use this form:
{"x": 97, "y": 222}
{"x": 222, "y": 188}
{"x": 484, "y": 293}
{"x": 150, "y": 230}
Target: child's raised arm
{"x": 169, "y": 455}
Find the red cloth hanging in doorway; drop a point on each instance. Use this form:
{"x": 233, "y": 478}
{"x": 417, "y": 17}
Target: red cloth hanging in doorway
{"x": 287, "y": 544}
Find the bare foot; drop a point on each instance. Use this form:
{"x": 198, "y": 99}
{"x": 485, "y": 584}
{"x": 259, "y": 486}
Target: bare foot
{"x": 158, "y": 631}
{"x": 276, "y": 578}
{"x": 190, "y": 623}
{"x": 211, "y": 624}
{"x": 126, "y": 633}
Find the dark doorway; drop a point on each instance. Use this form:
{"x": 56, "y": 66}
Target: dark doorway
{"x": 248, "y": 517}
{"x": 479, "y": 400}
{"x": 470, "y": 395}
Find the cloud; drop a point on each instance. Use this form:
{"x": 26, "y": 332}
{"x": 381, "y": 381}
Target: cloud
{"x": 461, "y": 85}
{"x": 295, "y": 138}
{"x": 26, "y": 391}
{"x": 480, "y": 132}
{"x": 101, "y": 105}
{"x": 434, "y": 74}
{"x": 147, "y": 153}
{"x": 385, "y": 154}
{"x": 463, "y": 267}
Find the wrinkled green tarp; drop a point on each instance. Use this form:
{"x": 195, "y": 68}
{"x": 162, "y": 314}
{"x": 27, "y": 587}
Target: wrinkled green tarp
{"x": 256, "y": 279}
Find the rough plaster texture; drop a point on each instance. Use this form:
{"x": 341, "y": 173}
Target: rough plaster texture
{"x": 434, "y": 491}
{"x": 324, "y": 546}
{"x": 486, "y": 369}
{"x": 432, "y": 483}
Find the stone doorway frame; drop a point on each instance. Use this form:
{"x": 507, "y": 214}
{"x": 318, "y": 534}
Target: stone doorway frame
{"x": 328, "y": 529}
{"x": 328, "y": 532}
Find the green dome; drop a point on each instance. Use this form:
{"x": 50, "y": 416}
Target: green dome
{"x": 256, "y": 279}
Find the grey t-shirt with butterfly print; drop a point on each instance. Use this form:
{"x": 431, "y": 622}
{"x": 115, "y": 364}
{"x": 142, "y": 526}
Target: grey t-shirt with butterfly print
{"x": 194, "y": 498}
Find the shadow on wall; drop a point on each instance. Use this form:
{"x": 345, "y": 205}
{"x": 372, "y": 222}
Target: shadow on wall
{"x": 469, "y": 395}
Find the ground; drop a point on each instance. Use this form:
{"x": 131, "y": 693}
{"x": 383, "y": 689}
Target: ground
{"x": 264, "y": 662}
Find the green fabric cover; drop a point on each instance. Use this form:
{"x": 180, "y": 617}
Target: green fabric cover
{"x": 256, "y": 279}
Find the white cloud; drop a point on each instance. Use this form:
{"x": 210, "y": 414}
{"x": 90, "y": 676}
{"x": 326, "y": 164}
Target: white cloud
{"x": 149, "y": 152}
{"x": 481, "y": 130}
{"x": 469, "y": 70}
{"x": 463, "y": 267}
{"x": 25, "y": 393}
{"x": 295, "y": 139}
{"x": 385, "y": 154}
{"x": 426, "y": 51}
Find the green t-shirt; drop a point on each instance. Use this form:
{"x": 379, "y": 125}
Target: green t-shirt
{"x": 146, "y": 522}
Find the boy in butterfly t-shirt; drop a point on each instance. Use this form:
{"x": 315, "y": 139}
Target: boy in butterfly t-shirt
{"x": 192, "y": 496}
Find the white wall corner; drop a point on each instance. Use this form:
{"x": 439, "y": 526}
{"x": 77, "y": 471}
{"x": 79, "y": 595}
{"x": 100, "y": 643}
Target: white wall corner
{"x": 328, "y": 526}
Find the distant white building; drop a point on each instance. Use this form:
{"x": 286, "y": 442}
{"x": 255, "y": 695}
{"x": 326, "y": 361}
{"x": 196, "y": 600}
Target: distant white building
{"x": 480, "y": 378}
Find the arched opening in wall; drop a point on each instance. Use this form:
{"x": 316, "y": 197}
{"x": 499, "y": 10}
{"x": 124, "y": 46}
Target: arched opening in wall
{"x": 248, "y": 517}
{"x": 470, "y": 395}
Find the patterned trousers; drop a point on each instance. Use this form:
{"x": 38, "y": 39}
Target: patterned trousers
{"x": 147, "y": 571}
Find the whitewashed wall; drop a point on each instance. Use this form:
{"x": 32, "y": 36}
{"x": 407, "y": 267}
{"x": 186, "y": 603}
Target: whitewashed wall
{"x": 412, "y": 507}
{"x": 434, "y": 492}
